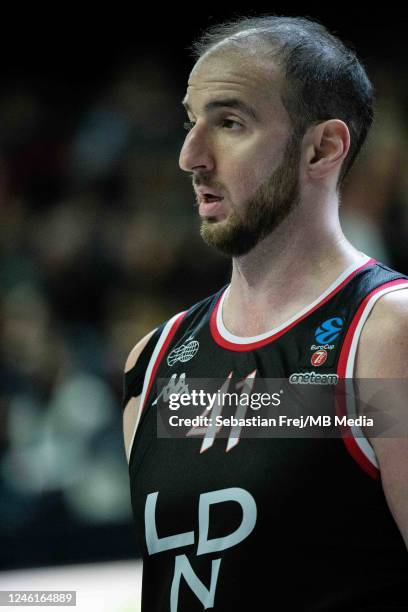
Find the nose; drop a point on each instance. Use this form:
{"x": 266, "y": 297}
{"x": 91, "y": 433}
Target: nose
{"x": 196, "y": 152}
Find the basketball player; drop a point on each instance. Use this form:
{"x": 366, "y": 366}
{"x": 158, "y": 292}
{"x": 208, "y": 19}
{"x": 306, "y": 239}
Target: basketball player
{"x": 278, "y": 109}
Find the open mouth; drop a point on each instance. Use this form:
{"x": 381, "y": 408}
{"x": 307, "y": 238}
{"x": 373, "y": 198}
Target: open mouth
{"x": 210, "y": 206}
{"x": 207, "y": 198}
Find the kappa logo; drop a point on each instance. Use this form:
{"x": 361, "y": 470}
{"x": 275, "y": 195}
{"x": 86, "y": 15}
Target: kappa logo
{"x": 183, "y": 353}
{"x": 177, "y": 384}
{"x": 329, "y": 330}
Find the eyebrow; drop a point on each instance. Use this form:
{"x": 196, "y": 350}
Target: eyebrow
{"x": 234, "y": 103}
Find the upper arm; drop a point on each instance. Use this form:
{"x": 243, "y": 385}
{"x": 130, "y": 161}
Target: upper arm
{"x": 131, "y": 410}
{"x": 383, "y": 354}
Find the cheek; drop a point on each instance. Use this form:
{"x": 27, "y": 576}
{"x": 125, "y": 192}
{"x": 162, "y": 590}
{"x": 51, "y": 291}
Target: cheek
{"x": 256, "y": 161}
{"x": 247, "y": 177}
{"x": 240, "y": 168}
{"x": 244, "y": 166}
{"x": 241, "y": 183}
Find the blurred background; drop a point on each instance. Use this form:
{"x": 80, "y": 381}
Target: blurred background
{"x": 99, "y": 244}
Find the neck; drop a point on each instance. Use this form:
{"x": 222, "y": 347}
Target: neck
{"x": 286, "y": 271}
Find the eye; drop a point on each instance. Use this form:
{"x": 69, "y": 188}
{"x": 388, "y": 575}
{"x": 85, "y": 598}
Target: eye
{"x": 226, "y": 123}
{"x": 229, "y": 123}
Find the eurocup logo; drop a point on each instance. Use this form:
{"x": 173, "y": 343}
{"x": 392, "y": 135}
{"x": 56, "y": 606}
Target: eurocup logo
{"x": 183, "y": 353}
{"x": 329, "y": 330}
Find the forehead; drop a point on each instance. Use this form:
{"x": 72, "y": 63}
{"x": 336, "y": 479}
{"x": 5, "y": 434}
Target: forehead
{"x": 236, "y": 74}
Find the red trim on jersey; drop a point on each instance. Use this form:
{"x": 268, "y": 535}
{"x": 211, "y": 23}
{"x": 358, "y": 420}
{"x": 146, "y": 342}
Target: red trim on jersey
{"x": 358, "y": 456}
{"x": 162, "y": 351}
{"x": 340, "y": 398}
{"x": 349, "y": 441}
{"x": 348, "y": 339}
{"x": 250, "y": 346}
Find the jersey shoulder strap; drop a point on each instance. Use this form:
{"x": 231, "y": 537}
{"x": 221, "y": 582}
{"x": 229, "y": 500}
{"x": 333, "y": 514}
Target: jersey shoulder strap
{"x": 133, "y": 378}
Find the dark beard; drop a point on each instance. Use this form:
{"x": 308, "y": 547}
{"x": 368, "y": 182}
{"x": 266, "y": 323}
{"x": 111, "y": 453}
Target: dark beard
{"x": 263, "y": 213}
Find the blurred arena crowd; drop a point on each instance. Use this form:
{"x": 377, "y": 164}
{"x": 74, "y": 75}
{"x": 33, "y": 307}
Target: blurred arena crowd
{"x": 99, "y": 244}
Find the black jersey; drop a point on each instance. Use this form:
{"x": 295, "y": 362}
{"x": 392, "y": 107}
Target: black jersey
{"x": 273, "y": 524}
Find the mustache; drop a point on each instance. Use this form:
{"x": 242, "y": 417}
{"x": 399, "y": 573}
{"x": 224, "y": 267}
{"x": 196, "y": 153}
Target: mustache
{"x": 202, "y": 180}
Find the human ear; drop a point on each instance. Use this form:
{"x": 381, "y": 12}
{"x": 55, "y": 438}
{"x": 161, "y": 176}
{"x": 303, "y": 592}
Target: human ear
{"x": 327, "y": 145}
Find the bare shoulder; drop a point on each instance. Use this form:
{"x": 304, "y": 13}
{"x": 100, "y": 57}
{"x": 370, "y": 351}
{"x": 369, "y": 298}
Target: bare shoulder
{"x": 131, "y": 410}
{"x": 383, "y": 346}
{"x": 136, "y": 351}
{"x": 383, "y": 353}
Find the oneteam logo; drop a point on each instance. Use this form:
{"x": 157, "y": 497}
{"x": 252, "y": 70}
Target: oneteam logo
{"x": 183, "y": 353}
{"x": 329, "y": 330}
{"x": 311, "y": 378}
